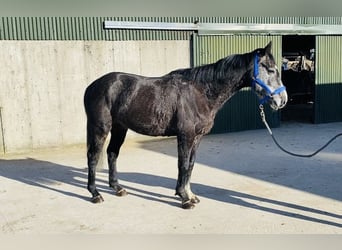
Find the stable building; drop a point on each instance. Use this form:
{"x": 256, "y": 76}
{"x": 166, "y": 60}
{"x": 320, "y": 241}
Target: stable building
{"x": 47, "y": 62}
{"x": 308, "y": 50}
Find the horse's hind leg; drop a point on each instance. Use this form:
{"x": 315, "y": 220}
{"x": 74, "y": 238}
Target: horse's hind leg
{"x": 118, "y": 134}
{"x": 95, "y": 140}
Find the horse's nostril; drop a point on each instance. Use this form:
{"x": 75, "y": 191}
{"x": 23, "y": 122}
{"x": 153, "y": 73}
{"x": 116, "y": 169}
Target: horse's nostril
{"x": 283, "y": 99}
{"x": 283, "y": 103}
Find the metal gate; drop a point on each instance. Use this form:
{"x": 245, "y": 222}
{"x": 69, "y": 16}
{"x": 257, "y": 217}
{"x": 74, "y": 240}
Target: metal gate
{"x": 241, "y": 111}
{"x": 328, "y": 92}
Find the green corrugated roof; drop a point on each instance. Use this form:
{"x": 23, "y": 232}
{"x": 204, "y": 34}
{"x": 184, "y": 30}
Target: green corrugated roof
{"x": 91, "y": 28}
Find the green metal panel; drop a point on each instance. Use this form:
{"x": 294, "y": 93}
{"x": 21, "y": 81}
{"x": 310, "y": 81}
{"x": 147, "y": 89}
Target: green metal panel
{"x": 91, "y": 28}
{"x": 83, "y": 28}
{"x": 328, "y": 94}
{"x": 241, "y": 111}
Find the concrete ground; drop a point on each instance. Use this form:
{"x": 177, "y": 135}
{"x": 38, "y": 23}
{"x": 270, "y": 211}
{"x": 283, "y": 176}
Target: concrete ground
{"x": 246, "y": 185}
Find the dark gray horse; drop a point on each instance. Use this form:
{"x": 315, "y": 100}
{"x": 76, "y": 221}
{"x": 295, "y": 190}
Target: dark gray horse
{"x": 182, "y": 103}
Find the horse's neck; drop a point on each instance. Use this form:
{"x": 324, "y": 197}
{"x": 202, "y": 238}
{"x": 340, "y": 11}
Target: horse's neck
{"x": 224, "y": 87}
{"x": 224, "y": 94}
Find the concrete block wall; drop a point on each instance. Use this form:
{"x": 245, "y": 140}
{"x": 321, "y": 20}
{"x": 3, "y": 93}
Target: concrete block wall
{"x": 42, "y": 84}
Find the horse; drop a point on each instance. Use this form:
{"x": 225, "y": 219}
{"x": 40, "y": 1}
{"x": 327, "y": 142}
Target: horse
{"x": 182, "y": 103}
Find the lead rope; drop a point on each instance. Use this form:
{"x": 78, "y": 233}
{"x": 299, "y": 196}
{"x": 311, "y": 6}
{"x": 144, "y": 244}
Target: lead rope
{"x": 263, "y": 118}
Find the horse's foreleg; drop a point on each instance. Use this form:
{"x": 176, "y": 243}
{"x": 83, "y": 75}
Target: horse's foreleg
{"x": 118, "y": 135}
{"x": 186, "y": 159}
{"x": 193, "y": 198}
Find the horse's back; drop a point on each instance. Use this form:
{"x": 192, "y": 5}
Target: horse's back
{"x": 106, "y": 89}
{"x": 100, "y": 86}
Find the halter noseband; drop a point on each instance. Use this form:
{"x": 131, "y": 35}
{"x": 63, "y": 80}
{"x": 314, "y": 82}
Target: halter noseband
{"x": 256, "y": 80}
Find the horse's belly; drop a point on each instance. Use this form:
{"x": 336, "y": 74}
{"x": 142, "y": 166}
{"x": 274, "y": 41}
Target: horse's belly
{"x": 153, "y": 130}
{"x": 149, "y": 123}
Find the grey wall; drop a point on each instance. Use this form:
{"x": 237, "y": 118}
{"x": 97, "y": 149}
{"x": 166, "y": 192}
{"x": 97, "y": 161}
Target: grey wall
{"x": 42, "y": 84}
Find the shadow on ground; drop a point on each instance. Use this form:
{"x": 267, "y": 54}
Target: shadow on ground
{"x": 258, "y": 158}
{"x": 50, "y": 176}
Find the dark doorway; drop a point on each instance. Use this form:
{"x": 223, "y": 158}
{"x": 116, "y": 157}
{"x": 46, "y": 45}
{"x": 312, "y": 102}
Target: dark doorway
{"x": 298, "y": 75}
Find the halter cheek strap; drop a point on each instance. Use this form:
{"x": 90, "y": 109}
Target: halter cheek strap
{"x": 256, "y": 80}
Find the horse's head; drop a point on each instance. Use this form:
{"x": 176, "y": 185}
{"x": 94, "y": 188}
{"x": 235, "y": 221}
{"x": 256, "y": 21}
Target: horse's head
{"x": 266, "y": 80}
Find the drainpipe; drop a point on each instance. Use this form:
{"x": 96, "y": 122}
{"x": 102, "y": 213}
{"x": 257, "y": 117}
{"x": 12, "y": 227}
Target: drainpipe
{"x": 2, "y": 132}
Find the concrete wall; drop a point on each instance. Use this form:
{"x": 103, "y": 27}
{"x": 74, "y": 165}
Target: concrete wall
{"x": 42, "y": 84}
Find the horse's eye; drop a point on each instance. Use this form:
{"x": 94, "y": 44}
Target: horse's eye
{"x": 271, "y": 70}
{"x": 264, "y": 65}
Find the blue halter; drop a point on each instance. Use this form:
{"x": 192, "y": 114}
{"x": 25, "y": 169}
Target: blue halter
{"x": 256, "y": 80}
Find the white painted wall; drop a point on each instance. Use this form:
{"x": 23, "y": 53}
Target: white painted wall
{"x": 42, "y": 84}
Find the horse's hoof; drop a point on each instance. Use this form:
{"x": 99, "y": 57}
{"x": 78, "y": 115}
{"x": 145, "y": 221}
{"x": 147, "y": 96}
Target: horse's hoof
{"x": 188, "y": 205}
{"x": 97, "y": 199}
{"x": 195, "y": 200}
{"x": 121, "y": 192}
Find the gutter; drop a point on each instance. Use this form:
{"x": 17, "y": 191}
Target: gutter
{"x": 230, "y": 28}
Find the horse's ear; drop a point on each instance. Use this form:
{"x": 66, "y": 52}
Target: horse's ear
{"x": 268, "y": 48}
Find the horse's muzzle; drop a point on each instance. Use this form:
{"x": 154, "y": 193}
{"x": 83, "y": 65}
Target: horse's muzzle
{"x": 279, "y": 101}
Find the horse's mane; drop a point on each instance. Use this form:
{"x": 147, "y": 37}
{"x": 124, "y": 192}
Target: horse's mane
{"x": 215, "y": 72}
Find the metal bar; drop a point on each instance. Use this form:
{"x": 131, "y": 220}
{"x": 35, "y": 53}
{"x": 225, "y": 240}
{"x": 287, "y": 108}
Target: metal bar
{"x": 149, "y": 25}
{"x": 273, "y": 29}
{"x": 230, "y": 28}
